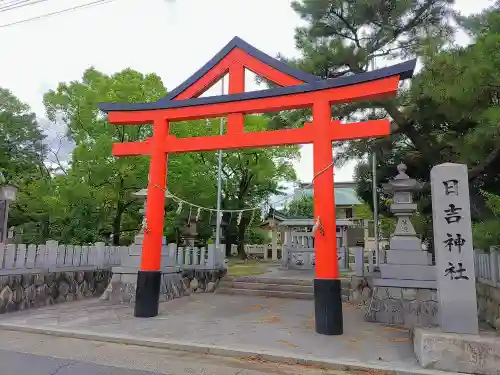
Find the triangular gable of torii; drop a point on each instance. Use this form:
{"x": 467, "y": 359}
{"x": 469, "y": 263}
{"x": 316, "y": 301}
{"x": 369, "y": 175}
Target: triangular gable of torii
{"x": 238, "y": 55}
{"x": 233, "y": 59}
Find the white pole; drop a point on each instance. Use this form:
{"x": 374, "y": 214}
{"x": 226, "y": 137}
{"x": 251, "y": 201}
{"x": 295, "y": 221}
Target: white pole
{"x": 219, "y": 182}
{"x": 374, "y": 187}
{"x": 375, "y": 200}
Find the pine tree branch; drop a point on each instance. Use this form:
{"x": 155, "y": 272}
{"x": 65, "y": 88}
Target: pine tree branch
{"x": 493, "y": 156}
{"x": 350, "y": 27}
{"x": 397, "y": 32}
{"x": 403, "y": 124}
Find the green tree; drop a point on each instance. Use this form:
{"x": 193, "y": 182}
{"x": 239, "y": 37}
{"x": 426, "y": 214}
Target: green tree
{"x": 363, "y": 211}
{"x": 22, "y": 156}
{"x": 251, "y": 177}
{"x": 450, "y": 111}
{"x": 487, "y": 231}
{"x": 343, "y": 37}
{"x": 303, "y": 206}
{"x": 97, "y": 188}
{"x": 22, "y": 150}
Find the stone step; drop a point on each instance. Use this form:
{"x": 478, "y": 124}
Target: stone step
{"x": 277, "y": 287}
{"x": 265, "y": 293}
{"x": 271, "y": 293}
{"x": 261, "y": 286}
{"x": 268, "y": 280}
{"x": 279, "y": 280}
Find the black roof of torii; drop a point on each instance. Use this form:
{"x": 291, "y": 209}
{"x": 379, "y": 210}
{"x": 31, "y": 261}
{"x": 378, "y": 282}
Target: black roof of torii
{"x": 237, "y": 42}
{"x": 312, "y": 83}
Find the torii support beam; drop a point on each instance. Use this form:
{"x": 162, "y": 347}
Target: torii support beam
{"x": 300, "y": 90}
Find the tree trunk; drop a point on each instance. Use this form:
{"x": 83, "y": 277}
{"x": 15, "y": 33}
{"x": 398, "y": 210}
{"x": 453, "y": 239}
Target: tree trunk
{"x": 177, "y": 236}
{"x": 117, "y": 223}
{"x": 45, "y": 230}
{"x": 241, "y": 239}
{"x": 229, "y": 243}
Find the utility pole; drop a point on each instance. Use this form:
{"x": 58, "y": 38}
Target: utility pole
{"x": 374, "y": 185}
{"x": 375, "y": 199}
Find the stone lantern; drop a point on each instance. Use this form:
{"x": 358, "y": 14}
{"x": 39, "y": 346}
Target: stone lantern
{"x": 402, "y": 188}
{"x": 8, "y": 194}
{"x": 406, "y": 264}
{"x": 123, "y": 284}
{"x": 405, "y": 291}
{"x": 142, "y": 195}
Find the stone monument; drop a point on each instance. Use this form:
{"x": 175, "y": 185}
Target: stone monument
{"x": 405, "y": 291}
{"x": 457, "y": 344}
{"x": 451, "y": 220}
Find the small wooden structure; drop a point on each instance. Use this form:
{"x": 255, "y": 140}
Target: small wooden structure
{"x": 298, "y": 247}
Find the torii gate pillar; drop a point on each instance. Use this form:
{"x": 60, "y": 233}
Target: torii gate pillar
{"x": 327, "y": 286}
{"x": 149, "y": 276}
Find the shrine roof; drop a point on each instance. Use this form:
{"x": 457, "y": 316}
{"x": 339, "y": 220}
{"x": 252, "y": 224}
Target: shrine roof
{"x": 344, "y": 196}
{"x": 312, "y": 83}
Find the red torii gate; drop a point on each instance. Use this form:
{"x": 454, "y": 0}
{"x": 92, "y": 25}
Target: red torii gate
{"x": 297, "y": 90}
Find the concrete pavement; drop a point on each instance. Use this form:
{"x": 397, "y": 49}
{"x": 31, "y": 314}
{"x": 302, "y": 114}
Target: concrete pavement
{"x": 230, "y": 326}
{"x": 277, "y": 330}
{"x": 34, "y": 354}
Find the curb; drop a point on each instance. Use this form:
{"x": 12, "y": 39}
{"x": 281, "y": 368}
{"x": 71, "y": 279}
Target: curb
{"x": 222, "y": 351}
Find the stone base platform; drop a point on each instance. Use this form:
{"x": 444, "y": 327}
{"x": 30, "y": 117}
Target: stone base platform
{"x": 473, "y": 354}
{"x": 175, "y": 283}
{"x": 409, "y": 307}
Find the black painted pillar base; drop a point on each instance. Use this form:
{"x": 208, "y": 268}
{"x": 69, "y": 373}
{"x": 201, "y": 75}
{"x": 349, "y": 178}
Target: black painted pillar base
{"x": 328, "y": 307}
{"x": 147, "y": 294}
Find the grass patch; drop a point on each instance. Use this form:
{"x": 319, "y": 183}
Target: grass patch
{"x": 241, "y": 262}
{"x": 345, "y": 275}
{"x": 246, "y": 271}
{"x": 238, "y": 267}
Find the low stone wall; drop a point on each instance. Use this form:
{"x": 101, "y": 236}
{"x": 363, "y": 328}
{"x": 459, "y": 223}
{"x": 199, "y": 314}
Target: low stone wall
{"x": 457, "y": 353}
{"x": 174, "y": 284}
{"x": 202, "y": 281}
{"x": 417, "y": 307}
{"x": 488, "y": 304}
{"x": 408, "y": 307}
{"x": 28, "y": 290}
{"x": 361, "y": 291}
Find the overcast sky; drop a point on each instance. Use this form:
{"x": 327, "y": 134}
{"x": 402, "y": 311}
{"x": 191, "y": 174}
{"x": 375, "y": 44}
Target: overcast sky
{"x": 172, "y": 38}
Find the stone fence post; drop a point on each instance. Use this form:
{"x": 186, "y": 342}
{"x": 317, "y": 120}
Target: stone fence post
{"x": 212, "y": 256}
{"x": 100, "y": 259}
{"x": 494, "y": 266}
{"x": 359, "y": 261}
{"x": 50, "y": 261}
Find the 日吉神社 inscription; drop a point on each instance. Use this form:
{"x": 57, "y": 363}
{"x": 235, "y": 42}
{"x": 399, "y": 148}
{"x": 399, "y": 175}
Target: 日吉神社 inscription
{"x": 453, "y": 248}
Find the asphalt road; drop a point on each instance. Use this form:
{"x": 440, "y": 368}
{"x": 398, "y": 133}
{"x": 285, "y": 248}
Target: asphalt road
{"x": 13, "y": 363}
{"x": 35, "y": 354}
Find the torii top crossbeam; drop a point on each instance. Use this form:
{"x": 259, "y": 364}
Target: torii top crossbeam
{"x": 299, "y": 90}
{"x": 296, "y": 89}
